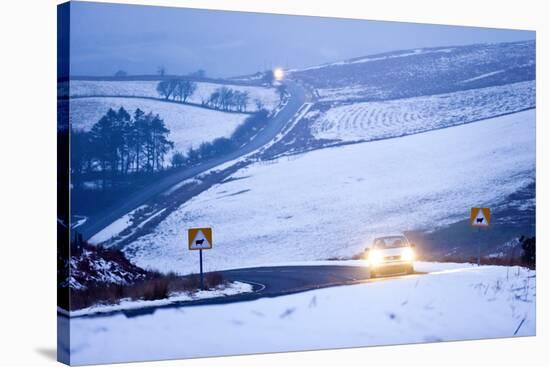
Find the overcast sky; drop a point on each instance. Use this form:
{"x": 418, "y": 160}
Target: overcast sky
{"x": 138, "y": 39}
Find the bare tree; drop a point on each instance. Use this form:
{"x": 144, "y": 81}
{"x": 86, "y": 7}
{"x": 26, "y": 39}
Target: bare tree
{"x": 166, "y": 88}
{"x": 185, "y": 89}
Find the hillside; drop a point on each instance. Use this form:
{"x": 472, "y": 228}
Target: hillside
{"x": 422, "y": 181}
{"x": 189, "y": 126}
{"x": 411, "y": 73}
{"x": 148, "y": 88}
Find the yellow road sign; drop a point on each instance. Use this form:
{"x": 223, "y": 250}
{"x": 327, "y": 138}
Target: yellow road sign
{"x": 480, "y": 217}
{"x": 200, "y": 238}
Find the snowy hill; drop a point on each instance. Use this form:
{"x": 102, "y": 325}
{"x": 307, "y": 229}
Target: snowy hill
{"x": 189, "y": 126}
{"x": 365, "y": 121}
{"x": 332, "y": 202}
{"x": 417, "y": 72}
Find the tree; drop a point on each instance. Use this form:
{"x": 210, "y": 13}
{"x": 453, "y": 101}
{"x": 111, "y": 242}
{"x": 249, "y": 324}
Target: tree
{"x": 241, "y": 100}
{"x": 104, "y": 140}
{"x": 268, "y": 77}
{"x": 193, "y": 156}
{"x": 157, "y": 143}
{"x": 121, "y": 74}
{"x": 119, "y": 144}
{"x": 185, "y": 89}
{"x": 161, "y": 70}
{"x": 81, "y": 156}
{"x": 178, "y": 159}
{"x": 166, "y": 88}
{"x": 137, "y": 138}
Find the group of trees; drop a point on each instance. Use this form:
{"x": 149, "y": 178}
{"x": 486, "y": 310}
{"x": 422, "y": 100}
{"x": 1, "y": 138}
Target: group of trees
{"x": 223, "y": 98}
{"x": 227, "y": 99}
{"x": 176, "y": 89}
{"x": 119, "y": 144}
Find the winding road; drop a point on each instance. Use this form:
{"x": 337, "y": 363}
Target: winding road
{"x": 272, "y": 281}
{"x": 123, "y": 205}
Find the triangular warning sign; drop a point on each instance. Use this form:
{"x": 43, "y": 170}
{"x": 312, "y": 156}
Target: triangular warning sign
{"x": 200, "y": 240}
{"x": 480, "y": 217}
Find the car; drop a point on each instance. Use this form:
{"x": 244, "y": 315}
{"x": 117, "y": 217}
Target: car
{"x": 390, "y": 255}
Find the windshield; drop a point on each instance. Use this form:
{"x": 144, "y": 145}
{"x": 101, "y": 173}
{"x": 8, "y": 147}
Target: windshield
{"x": 390, "y": 242}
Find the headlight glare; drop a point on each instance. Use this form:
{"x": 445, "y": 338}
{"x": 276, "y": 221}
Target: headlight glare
{"x": 375, "y": 257}
{"x": 407, "y": 254}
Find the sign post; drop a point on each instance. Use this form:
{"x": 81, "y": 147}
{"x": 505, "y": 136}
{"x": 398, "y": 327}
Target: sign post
{"x": 200, "y": 239}
{"x": 480, "y": 218}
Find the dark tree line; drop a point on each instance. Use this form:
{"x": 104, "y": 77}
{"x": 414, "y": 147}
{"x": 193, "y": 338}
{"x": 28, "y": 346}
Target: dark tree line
{"x": 176, "y": 89}
{"x": 227, "y": 99}
{"x": 119, "y": 144}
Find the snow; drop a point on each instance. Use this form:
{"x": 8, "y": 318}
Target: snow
{"x": 376, "y": 58}
{"x": 485, "y": 302}
{"x": 486, "y": 75}
{"x": 78, "y": 220}
{"x": 115, "y": 228}
{"x": 296, "y": 209}
{"x": 375, "y": 120}
{"x": 92, "y": 267}
{"x": 189, "y": 126}
{"x": 230, "y": 289}
{"x": 141, "y": 88}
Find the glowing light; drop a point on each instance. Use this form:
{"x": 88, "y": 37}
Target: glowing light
{"x": 278, "y": 74}
{"x": 375, "y": 257}
{"x": 407, "y": 254}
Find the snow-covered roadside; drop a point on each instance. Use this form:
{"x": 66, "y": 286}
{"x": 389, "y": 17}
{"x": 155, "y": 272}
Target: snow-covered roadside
{"x": 453, "y": 303}
{"x": 230, "y": 289}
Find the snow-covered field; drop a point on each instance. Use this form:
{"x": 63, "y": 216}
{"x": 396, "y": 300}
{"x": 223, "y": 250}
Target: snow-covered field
{"x": 141, "y": 88}
{"x": 485, "y": 302}
{"x": 332, "y": 202}
{"x": 375, "y": 120}
{"x": 189, "y": 126}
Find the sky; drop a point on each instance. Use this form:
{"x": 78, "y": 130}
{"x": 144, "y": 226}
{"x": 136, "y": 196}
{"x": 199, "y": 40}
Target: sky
{"x": 106, "y": 38}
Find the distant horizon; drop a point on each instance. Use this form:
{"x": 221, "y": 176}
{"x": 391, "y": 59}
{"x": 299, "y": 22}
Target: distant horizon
{"x": 138, "y": 39}
{"x": 290, "y": 68}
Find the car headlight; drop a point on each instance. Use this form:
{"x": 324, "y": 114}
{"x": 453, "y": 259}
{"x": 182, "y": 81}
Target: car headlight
{"x": 375, "y": 257}
{"x": 407, "y": 254}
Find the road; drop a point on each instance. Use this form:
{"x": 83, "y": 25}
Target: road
{"x": 273, "y": 282}
{"x": 122, "y": 206}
